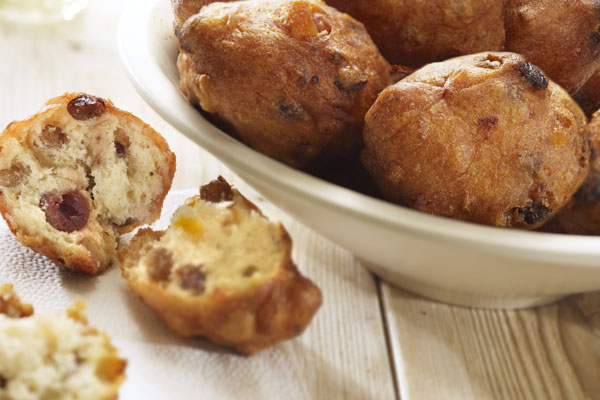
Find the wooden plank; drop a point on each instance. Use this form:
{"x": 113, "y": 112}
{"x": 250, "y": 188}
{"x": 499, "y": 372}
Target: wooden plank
{"x": 446, "y": 352}
{"x": 343, "y": 354}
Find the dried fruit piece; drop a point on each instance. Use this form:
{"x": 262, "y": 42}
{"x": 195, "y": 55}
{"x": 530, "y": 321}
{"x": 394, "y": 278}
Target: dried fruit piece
{"x": 487, "y": 123}
{"x": 12, "y": 176}
{"x": 250, "y": 270}
{"x": 292, "y": 111}
{"x": 161, "y": 264}
{"x": 52, "y": 136}
{"x": 533, "y": 213}
{"x": 86, "y": 107}
{"x": 533, "y": 74}
{"x": 216, "y": 191}
{"x": 192, "y": 278}
{"x": 120, "y": 150}
{"x": 67, "y": 211}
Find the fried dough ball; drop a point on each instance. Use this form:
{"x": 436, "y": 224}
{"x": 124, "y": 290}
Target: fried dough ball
{"x": 415, "y": 33}
{"x": 293, "y": 79}
{"x": 581, "y": 215}
{"x": 588, "y": 97}
{"x": 485, "y": 138}
{"x": 561, "y": 37}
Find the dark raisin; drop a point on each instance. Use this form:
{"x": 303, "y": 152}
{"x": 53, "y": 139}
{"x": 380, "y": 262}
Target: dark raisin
{"x": 86, "y": 107}
{"x": 487, "y": 123}
{"x": 293, "y": 112}
{"x": 52, "y": 136}
{"x": 216, "y": 191}
{"x": 533, "y": 213}
{"x": 192, "y": 278}
{"x": 120, "y": 150}
{"x": 355, "y": 87}
{"x": 67, "y": 211}
{"x": 3, "y": 382}
{"x": 161, "y": 264}
{"x": 315, "y": 79}
{"x": 533, "y": 74}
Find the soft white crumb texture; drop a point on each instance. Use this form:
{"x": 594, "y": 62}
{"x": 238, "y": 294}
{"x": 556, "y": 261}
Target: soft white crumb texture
{"x": 51, "y": 357}
{"x": 234, "y": 240}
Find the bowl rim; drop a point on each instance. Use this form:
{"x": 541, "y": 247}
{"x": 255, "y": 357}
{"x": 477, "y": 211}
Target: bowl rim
{"x": 143, "y": 70}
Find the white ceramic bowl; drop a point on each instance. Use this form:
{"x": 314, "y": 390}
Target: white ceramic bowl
{"x": 443, "y": 259}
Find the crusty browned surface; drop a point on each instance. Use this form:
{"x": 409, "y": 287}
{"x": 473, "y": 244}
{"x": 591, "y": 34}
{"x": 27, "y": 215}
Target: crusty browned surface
{"x": 562, "y": 37}
{"x": 415, "y": 33}
{"x": 248, "y": 321}
{"x": 484, "y": 138}
{"x": 588, "y": 97}
{"x": 183, "y": 9}
{"x": 581, "y": 215}
{"x": 90, "y": 255}
{"x": 294, "y": 79}
{"x": 11, "y": 305}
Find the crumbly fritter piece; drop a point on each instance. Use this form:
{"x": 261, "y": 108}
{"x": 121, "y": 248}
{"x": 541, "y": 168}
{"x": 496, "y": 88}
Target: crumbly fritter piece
{"x": 11, "y": 305}
{"x": 221, "y": 270}
{"x": 77, "y": 175}
{"x": 57, "y": 357}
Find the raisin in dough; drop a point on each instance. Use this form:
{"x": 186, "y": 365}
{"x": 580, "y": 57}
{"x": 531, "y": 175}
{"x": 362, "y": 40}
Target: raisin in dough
{"x": 223, "y": 271}
{"x": 77, "y": 175}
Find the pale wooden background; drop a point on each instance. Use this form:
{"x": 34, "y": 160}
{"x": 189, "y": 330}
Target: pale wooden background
{"x": 373, "y": 341}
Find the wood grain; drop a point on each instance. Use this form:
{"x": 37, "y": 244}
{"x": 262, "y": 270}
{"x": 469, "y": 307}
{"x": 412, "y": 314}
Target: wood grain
{"x": 343, "y": 354}
{"x": 447, "y": 352}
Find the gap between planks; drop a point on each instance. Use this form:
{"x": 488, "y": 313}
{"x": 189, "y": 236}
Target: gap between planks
{"x": 446, "y": 352}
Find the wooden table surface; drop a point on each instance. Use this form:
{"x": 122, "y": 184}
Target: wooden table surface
{"x": 371, "y": 340}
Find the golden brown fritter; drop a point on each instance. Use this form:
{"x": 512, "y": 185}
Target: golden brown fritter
{"x": 415, "y": 33}
{"x": 562, "y": 37}
{"x": 293, "y": 79}
{"x": 582, "y": 215}
{"x": 485, "y": 138}
{"x": 588, "y": 97}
